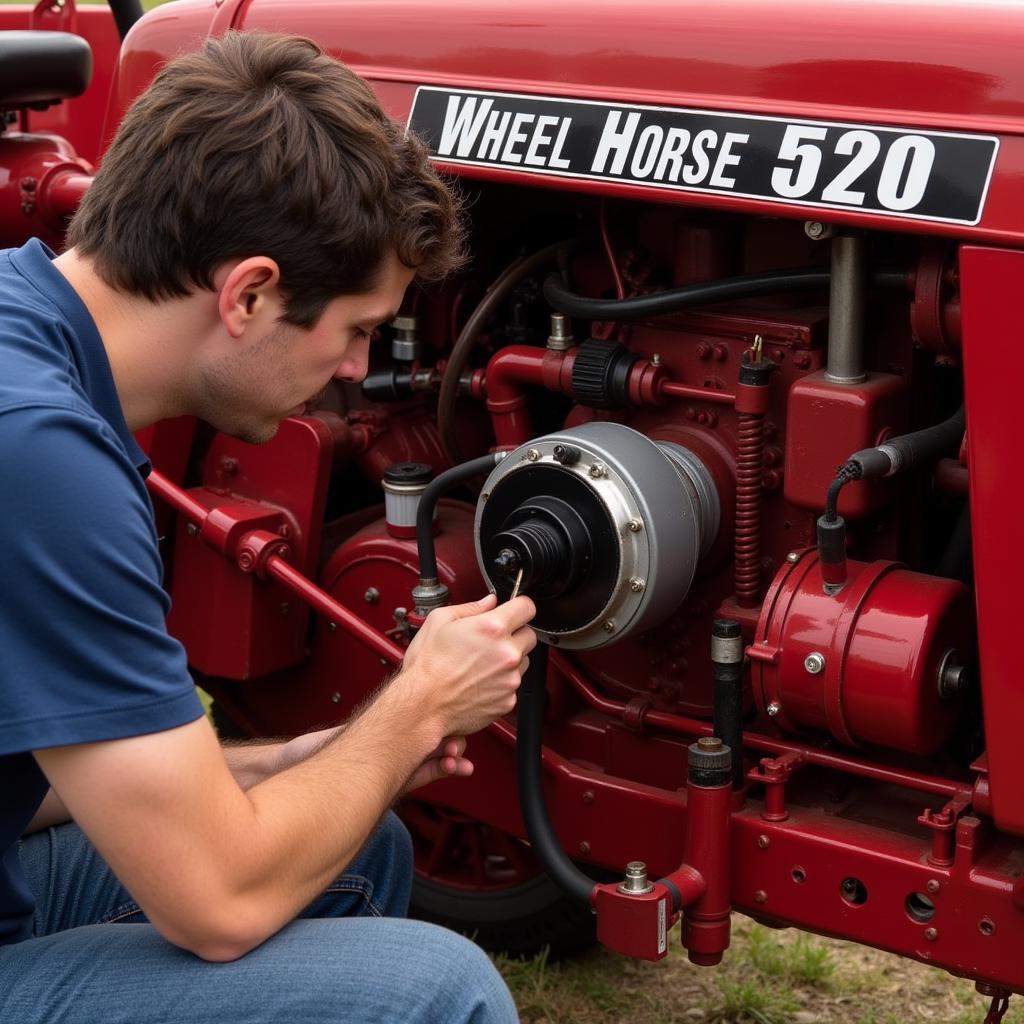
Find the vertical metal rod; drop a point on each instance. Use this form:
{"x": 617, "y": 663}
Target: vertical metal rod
{"x": 846, "y": 311}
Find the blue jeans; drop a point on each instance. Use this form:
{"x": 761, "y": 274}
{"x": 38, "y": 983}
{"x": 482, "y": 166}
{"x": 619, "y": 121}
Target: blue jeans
{"x": 349, "y": 957}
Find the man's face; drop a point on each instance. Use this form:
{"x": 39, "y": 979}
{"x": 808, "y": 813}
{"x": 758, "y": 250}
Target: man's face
{"x": 247, "y": 393}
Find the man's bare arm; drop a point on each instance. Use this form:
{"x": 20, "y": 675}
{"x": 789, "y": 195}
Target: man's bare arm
{"x": 218, "y": 870}
{"x": 249, "y": 763}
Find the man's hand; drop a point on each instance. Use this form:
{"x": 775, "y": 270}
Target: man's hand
{"x": 466, "y": 663}
{"x": 444, "y": 763}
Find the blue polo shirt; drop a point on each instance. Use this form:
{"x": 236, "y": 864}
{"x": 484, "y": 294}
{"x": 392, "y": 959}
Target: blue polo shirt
{"x": 84, "y": 653}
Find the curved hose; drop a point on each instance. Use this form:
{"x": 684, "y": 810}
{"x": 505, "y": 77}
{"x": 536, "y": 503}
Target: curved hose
{"x": 641, "y": 306}
{"x": 897, "y": 455}
{"x": 495, "y": 295}
{"x": 529, "y": 726}
{"x": 126, "y": 13}
{"x": 441, "y": 484}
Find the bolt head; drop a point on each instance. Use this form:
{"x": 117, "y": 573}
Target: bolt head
{"x": 931, "y": 934}
{"x": 532, "y": 455}
{"x": 335, "y": 698}
{"x": 763, "y": 842}
{"x": 635, "y": 525}
{"x": 597, "y": 471}
{"x": 793, "y": 556}
{"x": 372, "y": 595}
{"x": 192, "y": 529}
{"x": 774, "y": 708}
{"x": 760, "y": 896}
{"x": 656, "y": 359}
{"x": 636, "y": 584}
{"x": 933, "y": 885}
{"x": 814, "y": 663}
{"x": 608, "y": 626}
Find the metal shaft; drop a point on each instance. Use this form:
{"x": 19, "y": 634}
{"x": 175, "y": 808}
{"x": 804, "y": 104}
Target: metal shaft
{"x": 846, "y": 311}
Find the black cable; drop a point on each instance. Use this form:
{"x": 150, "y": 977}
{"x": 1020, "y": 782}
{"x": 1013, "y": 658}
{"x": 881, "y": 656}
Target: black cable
{"x": 642, "y": 306}
{"x": 126, "y": 13}
{"x": 530, "y": 726}
{"x": 440, "y": 485}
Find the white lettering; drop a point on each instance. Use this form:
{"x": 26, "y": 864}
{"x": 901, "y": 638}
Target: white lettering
{"x": 676, "y": 142}
{"x": 614, "y": 141}
{"x": 694, "y": 174}
{"x": 494, "y": 135}
{"x": 917, "y": 151}
{"x": 539, "y": 138}
{"x": 726, "y": 158}
{"x": 646, "y": 154}
{"x": 515, "y": 136}
{"x": 462, "y": 123}
{"x": 556, "y": 153}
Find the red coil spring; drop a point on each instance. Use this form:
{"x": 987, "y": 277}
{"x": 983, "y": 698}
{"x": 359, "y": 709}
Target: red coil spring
{"x": 749, "y": 472}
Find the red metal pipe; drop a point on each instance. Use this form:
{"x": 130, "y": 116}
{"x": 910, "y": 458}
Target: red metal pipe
{"x": 673, "y": 389}
{"x": 755, "y": 741}
{"x": 322, "y": 602}
{"x": 508, "y": 371}
{"x": 177, "y": 498}
{"x": 61, "y": 192}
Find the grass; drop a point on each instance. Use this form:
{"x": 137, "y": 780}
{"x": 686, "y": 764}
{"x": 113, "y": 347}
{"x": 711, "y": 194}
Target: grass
{"x": 768, "y": 977}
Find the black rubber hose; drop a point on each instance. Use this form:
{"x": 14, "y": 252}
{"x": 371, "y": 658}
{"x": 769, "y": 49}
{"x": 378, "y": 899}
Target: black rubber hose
{"x": 642, "y": 306}
{"x": 126, "y": 13}
{"x": 440, "y": 485}
{"x": 897, "y": 455}
{"x": 530, "y": 726}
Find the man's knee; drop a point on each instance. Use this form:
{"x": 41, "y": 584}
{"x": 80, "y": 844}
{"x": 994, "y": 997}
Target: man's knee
{"x": 462, "y": 983}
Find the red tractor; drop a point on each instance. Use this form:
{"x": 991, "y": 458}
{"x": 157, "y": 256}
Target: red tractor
{"x": 726, "y": 388}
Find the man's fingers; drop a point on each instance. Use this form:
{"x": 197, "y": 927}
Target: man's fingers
{"x": 464, "y": 611}
{"x": 516, "y": 613}
{"x": 456, "y": 766}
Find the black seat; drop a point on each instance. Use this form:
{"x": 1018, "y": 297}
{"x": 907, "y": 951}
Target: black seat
{"x": 40, "y": 68}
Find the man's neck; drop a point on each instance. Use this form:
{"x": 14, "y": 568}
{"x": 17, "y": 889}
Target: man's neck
{"x": 147, "y": 343}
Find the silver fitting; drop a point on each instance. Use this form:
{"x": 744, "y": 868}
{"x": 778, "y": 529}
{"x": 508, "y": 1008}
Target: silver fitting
{"x": 635, "y": 883}
{"x": 560, "y": 339}
{"x": 427, "y": 595}
{"x": 405, "y": 345}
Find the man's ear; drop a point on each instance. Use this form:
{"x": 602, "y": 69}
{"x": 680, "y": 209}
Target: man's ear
{"x": 246, "y": 290}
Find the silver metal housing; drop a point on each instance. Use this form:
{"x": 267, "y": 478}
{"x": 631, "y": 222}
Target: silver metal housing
{"x": 665, "y": 509}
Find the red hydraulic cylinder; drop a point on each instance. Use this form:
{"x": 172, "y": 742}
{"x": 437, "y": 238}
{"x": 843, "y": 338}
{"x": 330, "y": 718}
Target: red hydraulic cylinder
{"x": 707, "y": 850}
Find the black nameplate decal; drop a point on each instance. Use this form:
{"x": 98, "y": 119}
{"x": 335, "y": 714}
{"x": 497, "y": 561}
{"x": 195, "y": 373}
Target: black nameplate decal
{"x": 928, "y": 175}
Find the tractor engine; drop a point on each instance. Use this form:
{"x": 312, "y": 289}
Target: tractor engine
{"x": 722, "y": 387}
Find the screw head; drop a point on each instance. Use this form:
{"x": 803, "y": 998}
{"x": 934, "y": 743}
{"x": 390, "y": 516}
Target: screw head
{"x": 335, "y": 697}
{"x": 793, "y": 556}
{"x": 933, "y": 885}
{"x": 815, "y": 663}
{"x": 372, "y": 595}
{"x": 760, "y": 896}
{"x": 656, "y": 359}
{"x": 817, "y": 230}
{"x": 597, "y": 471}
{"x": 332, "y": 627}
{"x": 608, "y": 626}
{"x": 192, "y": 529}
{"x": 532, "y": 454}
{"x": 636, "y": 584}
{"x": 635, "y": 525}
{"x": 763, "y": 842}
{"x": 773, "y": 709}
{"x": 931, "y": 934}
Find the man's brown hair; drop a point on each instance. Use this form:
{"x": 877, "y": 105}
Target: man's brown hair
{"x": 263, "y": 145}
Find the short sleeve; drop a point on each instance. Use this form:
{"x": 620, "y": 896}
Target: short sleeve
{"x": 84, "y": 652}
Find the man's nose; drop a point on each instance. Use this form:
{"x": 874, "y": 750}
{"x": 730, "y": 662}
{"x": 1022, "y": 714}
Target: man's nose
{"x": 355, "y": 364}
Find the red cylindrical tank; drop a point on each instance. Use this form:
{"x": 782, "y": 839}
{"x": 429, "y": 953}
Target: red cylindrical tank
{"x": 868, "y": 663}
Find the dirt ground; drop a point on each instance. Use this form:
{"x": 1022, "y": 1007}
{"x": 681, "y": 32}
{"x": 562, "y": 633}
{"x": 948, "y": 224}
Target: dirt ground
{"x": 768, "y": 977}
